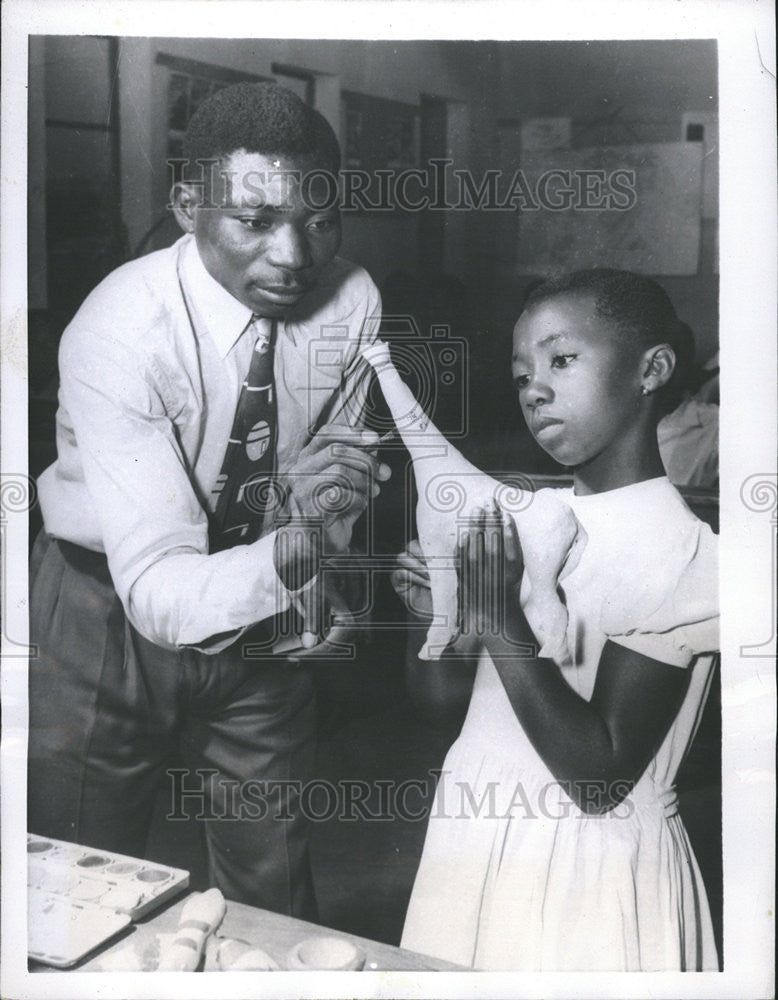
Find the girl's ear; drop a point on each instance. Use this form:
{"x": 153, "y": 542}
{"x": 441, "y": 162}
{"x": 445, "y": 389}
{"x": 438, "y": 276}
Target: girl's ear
{"x": 658, "y": 367}
{"x": 185, "y": 198}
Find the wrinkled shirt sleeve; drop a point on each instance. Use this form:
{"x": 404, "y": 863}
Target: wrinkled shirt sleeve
{"x": 153, "y": 525}
{"x": 154, "y": 529}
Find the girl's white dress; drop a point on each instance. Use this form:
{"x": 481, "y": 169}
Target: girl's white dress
{"x": 514, "y": 875}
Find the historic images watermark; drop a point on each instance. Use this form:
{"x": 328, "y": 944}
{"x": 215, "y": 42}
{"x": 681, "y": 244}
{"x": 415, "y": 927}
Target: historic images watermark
{"x": 203, "y": 794}
{"x": 436, "y": 187}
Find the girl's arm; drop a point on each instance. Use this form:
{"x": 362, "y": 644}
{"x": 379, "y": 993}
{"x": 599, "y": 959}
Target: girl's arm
{"x": 441, "y": 688}
{"x": 597, "y": 749}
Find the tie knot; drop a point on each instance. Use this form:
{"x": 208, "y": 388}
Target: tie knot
{"x": 262, "y": 329}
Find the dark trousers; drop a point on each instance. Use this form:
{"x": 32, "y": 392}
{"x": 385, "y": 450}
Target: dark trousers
{"x": 109, "y": 711}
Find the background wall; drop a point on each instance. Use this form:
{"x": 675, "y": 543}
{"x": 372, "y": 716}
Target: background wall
{"x": 99, "y": 181}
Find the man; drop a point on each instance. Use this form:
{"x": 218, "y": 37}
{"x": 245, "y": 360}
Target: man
{"x": 183, "y": 518}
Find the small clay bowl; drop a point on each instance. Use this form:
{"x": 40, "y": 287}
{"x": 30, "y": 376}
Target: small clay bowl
{"x": 325, "y": 954}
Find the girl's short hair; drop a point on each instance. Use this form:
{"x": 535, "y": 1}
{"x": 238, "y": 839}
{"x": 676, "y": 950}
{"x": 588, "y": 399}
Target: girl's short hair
{"x": 640, "y": 310}
{"x": 260, "y": 118}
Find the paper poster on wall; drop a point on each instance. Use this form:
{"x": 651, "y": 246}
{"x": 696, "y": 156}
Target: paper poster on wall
{"x": 635, "y": 207}
{"x": 703, "y": 127}
{"x": 379, "y": 133}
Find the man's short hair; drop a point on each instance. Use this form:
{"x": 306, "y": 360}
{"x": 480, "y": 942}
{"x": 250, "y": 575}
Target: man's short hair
{"x": 260, "y": 118}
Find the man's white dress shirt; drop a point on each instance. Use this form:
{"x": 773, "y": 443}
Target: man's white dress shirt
{"x": 150, "y": 374}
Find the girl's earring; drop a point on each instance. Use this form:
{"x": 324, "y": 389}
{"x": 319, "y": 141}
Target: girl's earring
{"x": 644, "y": 390}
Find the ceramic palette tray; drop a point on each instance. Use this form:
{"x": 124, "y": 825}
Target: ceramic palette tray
{"x": 79, "y": 897}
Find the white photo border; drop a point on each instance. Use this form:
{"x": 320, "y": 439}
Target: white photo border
{"x": 744, "y": 30}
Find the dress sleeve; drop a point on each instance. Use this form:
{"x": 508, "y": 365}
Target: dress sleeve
{"x": 672, "y": 614}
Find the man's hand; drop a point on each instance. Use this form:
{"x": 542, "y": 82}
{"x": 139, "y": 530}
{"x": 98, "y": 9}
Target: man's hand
{"x": 328, "y": 488}
{"x": 411, "y": 581}
{"x": 334, "y": 477}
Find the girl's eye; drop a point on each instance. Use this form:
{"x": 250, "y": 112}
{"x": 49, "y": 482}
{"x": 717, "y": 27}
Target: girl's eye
{"x": 521, "y": 381}
{"x": 562, "y": 360}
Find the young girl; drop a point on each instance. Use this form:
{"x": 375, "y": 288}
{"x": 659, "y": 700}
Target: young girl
{"x": 555, "y": 842}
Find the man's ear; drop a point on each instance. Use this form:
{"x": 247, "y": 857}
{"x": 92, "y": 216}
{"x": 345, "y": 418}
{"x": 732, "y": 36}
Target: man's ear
{"x": 658, "y": 367}
{"x": 185, "y": 198}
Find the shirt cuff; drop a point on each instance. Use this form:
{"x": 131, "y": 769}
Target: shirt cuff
{"x": 265, "y": 596}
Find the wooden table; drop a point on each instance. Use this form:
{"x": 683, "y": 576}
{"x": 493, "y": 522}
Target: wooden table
{"x": 272, "y": 932}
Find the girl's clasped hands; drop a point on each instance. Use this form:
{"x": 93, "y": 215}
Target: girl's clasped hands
{"x": 490, "y": 567}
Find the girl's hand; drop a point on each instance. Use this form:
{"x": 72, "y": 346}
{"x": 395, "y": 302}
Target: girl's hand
{"x": 411, "y": 581}
{"x": 490, "y": 568}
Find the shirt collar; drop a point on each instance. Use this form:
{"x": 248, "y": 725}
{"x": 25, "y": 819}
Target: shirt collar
{"x": 215, "y": 311}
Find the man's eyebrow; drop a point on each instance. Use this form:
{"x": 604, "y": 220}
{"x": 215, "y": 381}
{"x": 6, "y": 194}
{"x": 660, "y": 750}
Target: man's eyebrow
{"x": 269, "y": 208}
{"x": 263, "y": 208}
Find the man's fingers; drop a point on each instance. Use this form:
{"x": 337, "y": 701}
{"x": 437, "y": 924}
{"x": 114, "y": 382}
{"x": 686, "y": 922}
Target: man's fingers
{"x": 345, "y": 456}
{"x": 336, "y": 489}
{"x": 338, "y": 433}
{"x": 359, "y": 457}
{"x": 415, "y": 549}
{"x": 404, "y": 579}
{"x": 342, "y": 432}
{"x": 409, "y": 560}
{"x": 336, "y": 474}
{"x": 296, "y": 555}
{"x": 309, "y": 605}
{"x": 476, "y": 541}
{"x": 410, "y": 572}
{"x": 465, "y": 577}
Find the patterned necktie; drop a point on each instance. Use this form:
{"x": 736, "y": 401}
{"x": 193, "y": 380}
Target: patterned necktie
{"x": 246, "y": 487}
